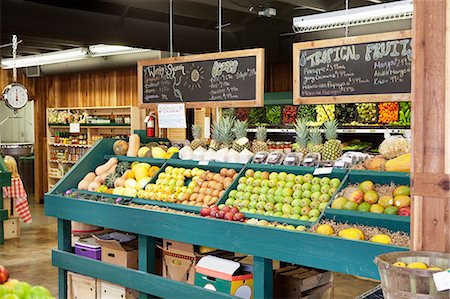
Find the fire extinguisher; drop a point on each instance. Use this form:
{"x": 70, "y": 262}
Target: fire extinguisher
{"x": 150, "y": 121}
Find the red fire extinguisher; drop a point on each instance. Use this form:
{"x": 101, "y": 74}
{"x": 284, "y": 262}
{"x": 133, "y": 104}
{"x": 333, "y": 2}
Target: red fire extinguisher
{"x": 150, "y": 121}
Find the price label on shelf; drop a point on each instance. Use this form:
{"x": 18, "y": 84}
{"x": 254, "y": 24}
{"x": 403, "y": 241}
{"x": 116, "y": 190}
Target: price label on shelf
{"x": 290, "y": 159}
{"x": 308, "y": 160}
{"x": 323, "y": 170}
{"x": 203, "y": 163}
{"x": 442, "y": 280}
{"x": 74, "y": 128}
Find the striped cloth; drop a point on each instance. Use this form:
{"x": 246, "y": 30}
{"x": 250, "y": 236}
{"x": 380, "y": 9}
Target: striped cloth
{"x": 17, "y": 191}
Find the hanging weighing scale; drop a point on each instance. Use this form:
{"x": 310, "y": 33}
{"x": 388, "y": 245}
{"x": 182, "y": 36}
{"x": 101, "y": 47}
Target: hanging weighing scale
{"x": 15, "y": 96}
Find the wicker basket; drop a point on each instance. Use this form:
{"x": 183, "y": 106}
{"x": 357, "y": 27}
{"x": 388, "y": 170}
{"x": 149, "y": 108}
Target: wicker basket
{"x": 402, "y": 282}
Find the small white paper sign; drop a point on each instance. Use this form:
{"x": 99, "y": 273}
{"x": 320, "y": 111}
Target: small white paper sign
{"x": 203, "y": 163}
{"x": 74, "y": 128}
{"x": 442, "y": 280}
{"x": 308, "y": 160}
{"x": 290, "y": 159}
{"x": 207, "y": 126}
{"x": 323, "y": 170}
{"x": 172, "y": 116}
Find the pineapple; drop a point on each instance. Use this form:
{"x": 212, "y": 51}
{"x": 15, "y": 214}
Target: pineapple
{"x": 197, "y": 134}
{"x": 214, "y": 144}
{"x": 260, "y": 144}
{"x": 240, "y": 133}
{"x": 315, "y": 136}
{"x": 223, "y": 134}
{"x": 302, "y": 136}
{"x": 332, "y": 147}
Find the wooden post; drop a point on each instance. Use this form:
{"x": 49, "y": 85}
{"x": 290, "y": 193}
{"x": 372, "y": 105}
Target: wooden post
{"x": 431, "y": 126}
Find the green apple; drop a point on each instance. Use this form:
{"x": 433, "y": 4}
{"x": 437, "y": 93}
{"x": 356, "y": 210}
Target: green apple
{"x": 281, "y": 184}
{"x": 271, "y": 191}
{"x": 296, "y": 210}
{"x": 305, "y": 211}
{"x": 364, "y": 207}
{"x": 297, "y": 187}
{"x": 270, "y": 198}
{"x": 260, "y": 212}
{"x": 278, "y": 214}
{"x": 239, "y": 195}
{"x": 269, "y": 206}
{"x": 315, "y": 180}
{"x": 232, "y": 193}
{"x": 268, "y": 213}
{"x": 273, "y": 175}
{"x": 256, "y": 190}
{"x": 278, "y": 207}
{"x": 264, "y": 190}
{"x": 306, "y": 186}
{"x": 308, "y": 177}
{"x": 262, "y": 197}
{"x": 256, "y": 183}
{"x": 339, "y": 203}
{"x": 258, "y": 174}
{"x": 314, "y": 204}
{"x": 20, "y": 289}
{"x": 242, "y": 180}
{"x": 248, "y": 189}
{"x": 250, "y": 181}
{"x": 289, "y": 185}
{"x": 301, "y": 228}
{"x": 305, "y": 202}
{"x": 304, "y": 218}
{"x": 297, "y": 194}
{"x": 219, "y": 206}
{"x": 287, "y": 192}
{"x": 229, "y": 202}
{"x": 332, "y": 191}
{"x": 243, "y": 210}
{"x": 252, "y": 204}
{"x": 350, "y": 206}
{"x": 252, "y": 211}
{"x": 3, "y": 291}
{"x": 265, "y": 183}
{"x": 247, "y": 196}
{"x": 279, "y": 192}
{"x": 324, "y": 198}
{"x": 290, "y": 177}
{"x": 273, "y": 183}
{"x": 315, "y": 188}
{"x": 323, "y": 206}
{"x": 314, "y": 213}
{"x": 298, "y": 179}
{"x": 325, "y": 181}
{"x": 296, "y": 203}
{"x": 282, "y": 176}
{"x": 241, "y": 187}
{"x": 335, "y": 182}
{"x": 260, "y": 205}
{"x": 279, "y": 198}
{"x": 306, "y": 194}
{"x": 286, "y": 209}
{"x": 254, "y": 197}
{"x": 286, "y": 216}
{"x": 244, "y": 203}
{"x": 325, "y": 189}
{"x": 315, "y": 195}
{"x": 237, "y": 203}
{"x": 313, "y": 219}
{"x": 295, "y": 216}
{"x": 288, "y": 199}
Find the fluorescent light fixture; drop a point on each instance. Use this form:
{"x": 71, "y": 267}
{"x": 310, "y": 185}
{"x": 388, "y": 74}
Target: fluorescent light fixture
{"x": 107, "y": 50}
{"x": 398, "y": 10}
{"x": 47, "y": 58}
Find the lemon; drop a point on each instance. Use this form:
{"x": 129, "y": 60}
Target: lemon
{"x": 325, "y": 229}
{"x": 399, "y": 264}
{"x": 172, "y": 150}
{"x": 434, "y": 268}
{"x": 381, "y": 238}
{"x": 417, "y": 265}
{"x": 351, "y": 233}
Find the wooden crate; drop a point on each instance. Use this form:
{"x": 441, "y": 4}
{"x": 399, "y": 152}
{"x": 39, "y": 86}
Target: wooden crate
{"x": 302, "y": 282}
{"x": 81, "y": 286}
{"x": 11, "y": 228}
{"x": 107, "y": 290}
{"x": 10, "y": 205}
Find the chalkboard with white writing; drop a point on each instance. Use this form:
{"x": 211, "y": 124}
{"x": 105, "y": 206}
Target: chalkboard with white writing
{"x": 371, "y": 68}
{"x": 202, "y": 78}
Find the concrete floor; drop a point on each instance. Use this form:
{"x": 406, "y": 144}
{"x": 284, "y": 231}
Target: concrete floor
{"x": 29, "y": 258}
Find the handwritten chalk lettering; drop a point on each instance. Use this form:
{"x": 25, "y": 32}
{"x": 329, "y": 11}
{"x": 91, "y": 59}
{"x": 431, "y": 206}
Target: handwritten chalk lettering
{"x": 343, "y": 53}
{"x": 377, "y": 51}
{"x": 154, "y": 71}
{"x": 172, "y": 70}
{"x": 229, "y": 66}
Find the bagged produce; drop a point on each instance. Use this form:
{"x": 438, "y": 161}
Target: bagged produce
{"x": 394, "y": 146}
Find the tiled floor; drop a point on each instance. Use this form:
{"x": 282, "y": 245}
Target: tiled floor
{"x": 29, "y": 258}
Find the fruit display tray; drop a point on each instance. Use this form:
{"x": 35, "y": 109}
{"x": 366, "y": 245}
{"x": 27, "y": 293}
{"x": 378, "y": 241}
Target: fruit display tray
{"x": 392, "y": 222}
{"x": 297, "y": 170}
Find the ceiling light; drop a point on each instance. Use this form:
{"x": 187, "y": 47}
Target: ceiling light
{"x": 107, "y": 50}
{"x": 398, "y": 10}
{"x": 47, "y": 58}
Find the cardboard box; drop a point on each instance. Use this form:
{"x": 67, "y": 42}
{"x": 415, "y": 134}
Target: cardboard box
{"x": 11, "y": 228}
{"x": 123, "y": 254}
{"x": 302, "y": 282}
{"x": 107, "y": 290}
{"x": 81, "y": 287}
{"x": 222, "y": 275}
{"x": 178, "y": 261}
{"x": 10, "y": 205}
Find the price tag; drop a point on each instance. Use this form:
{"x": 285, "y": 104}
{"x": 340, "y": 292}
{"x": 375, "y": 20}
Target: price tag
{"x": 172, "y": 116}
{"x": 323, "y": 170}
{"x": 290, "y": 159}
{"x": 203, "y": 163}
{"x": 442, "y": 280}
{"x": 74, "y": 128}
{"x": 339, "y": 164}
{"x": 308, "y": 160}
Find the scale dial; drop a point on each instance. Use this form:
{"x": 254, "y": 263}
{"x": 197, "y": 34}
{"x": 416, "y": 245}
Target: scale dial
{"x": 15, "y": 96}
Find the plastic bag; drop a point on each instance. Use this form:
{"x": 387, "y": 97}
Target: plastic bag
{"x": 394, "y": 146}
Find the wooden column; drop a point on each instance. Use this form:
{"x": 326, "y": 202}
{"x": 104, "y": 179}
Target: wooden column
{"x": 431, "y": 126}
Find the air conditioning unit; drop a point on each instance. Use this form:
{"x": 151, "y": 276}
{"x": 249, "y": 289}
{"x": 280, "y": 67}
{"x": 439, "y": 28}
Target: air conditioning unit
{"x": 33, "y": 71}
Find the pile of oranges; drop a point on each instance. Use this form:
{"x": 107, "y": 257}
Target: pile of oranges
{"x": 387, "y": 112}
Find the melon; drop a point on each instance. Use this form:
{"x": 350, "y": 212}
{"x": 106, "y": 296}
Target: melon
{"x": 120, "y": 148}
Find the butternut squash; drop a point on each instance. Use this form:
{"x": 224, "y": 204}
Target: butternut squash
{"x": 134, "y": 144}
{"x": 84, "y": 183}
{"x": 93, "y": 186}
{"x": 120, "y": 182}
{"x": 105, "y": 167}
{"x": 401, "y": 164}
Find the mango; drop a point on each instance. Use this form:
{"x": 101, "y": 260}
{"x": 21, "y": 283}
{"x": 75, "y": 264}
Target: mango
{"x": 376, "y": 208}
{"x": 364, "y": 207}
{"x": 357, "y": 196}
{"x": 400, "y": 164}
{"x": 381, "y": 238}
{"x": 417, "y": 265}
{"x": 401, "y": 190}
{"x": 371, "y": 196}
{"x": 339, "y": 203}
{"x": 325, "y": 229}
{"x": 402, "y": 201}
{"x": 386, "y": 201}
{"x": 391, "y": 210}
{"x": 366, "y": 186}
{"x": 351, "y": 233}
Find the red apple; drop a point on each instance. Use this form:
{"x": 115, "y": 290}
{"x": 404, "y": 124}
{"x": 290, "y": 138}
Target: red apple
{"x": 405, "y": 211}
{"x": 4, "y": 274}
{"x": 205, "y": 212}
{"x": 234, "y": 210}
{"x": 238, "y": 216}
{"x": 228, "y": 216}
{"x": 226, "y": 209}
{"x": 215, "y": 208}
{"x": 220, "y": 214}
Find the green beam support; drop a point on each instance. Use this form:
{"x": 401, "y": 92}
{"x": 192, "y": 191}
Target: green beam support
{"x": 147, "y": 258}
{"x": 65, "y": 244}
{"x": 262, "y": 277}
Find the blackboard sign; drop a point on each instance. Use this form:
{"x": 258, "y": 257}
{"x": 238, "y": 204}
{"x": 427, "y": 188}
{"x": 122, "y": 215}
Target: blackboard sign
{"x": 219, "y": 79}
{"x": 346, "y": 70}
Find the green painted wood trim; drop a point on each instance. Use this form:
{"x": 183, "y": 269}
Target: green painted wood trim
{"x": 3, "y": 215}
{"x": 151, "y": 161}
{"x": 147, "y": 258}
{"x": 278, "y": 98}
{"x": 91, "y": 125}
{"x": 65, "y": 244}
{"x": 262, "y": 277}
{"x": 133, "y": 279}
{"x": 312, "y": 250}
{"x": 5, "y": 175}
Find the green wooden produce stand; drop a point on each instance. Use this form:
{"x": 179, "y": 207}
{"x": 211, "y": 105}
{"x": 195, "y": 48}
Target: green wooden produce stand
{"x": 264, "y": 243}
{"x": 5, "y": 180}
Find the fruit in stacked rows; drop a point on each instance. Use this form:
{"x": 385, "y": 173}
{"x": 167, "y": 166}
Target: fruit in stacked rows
{"x": 131, "y": 180}
{"x": 197, "y": 134}
{"x": 315, "y": 137}
{"x": 325, "y": 112}
{"x": 299, "y": 197}
{"x": 367, "y": 112}
{"x": 260, "y": 144}
{"x": 332, "y": 147}
{"x": 307, "y": 112}
{"x": 273, "y": 114}
{"x": 240, "y": 136}
{"x": 257, "y": 115}
{"x": 346, "y": 113}
{"x": 387, "y": 112}
{"x": 226, "y": 213}
{"x": 302, "y": 138}
{"x": 366, "y": 199}
{"x": 204, "y": 189}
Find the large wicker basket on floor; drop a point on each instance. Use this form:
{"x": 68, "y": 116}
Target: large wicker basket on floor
{"x": 402, "y": 282}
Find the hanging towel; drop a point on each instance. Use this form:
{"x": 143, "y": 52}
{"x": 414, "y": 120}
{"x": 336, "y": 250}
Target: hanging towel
{"x": 17, "y": 191}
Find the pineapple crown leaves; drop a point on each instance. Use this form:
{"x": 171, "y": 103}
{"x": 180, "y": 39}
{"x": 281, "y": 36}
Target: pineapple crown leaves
{"x": 222, "y": 129}
{"x": 330, "y": 128}
{"x": 315, "y": 136}
{"x": 197, "y": 131}
{"x": 240, "y": 129}
{"x": 261, "y": 133}
{"x": 301, "y": 130}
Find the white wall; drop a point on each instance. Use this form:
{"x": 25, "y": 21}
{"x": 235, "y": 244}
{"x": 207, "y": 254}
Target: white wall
{"x": 17, "y": 130}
